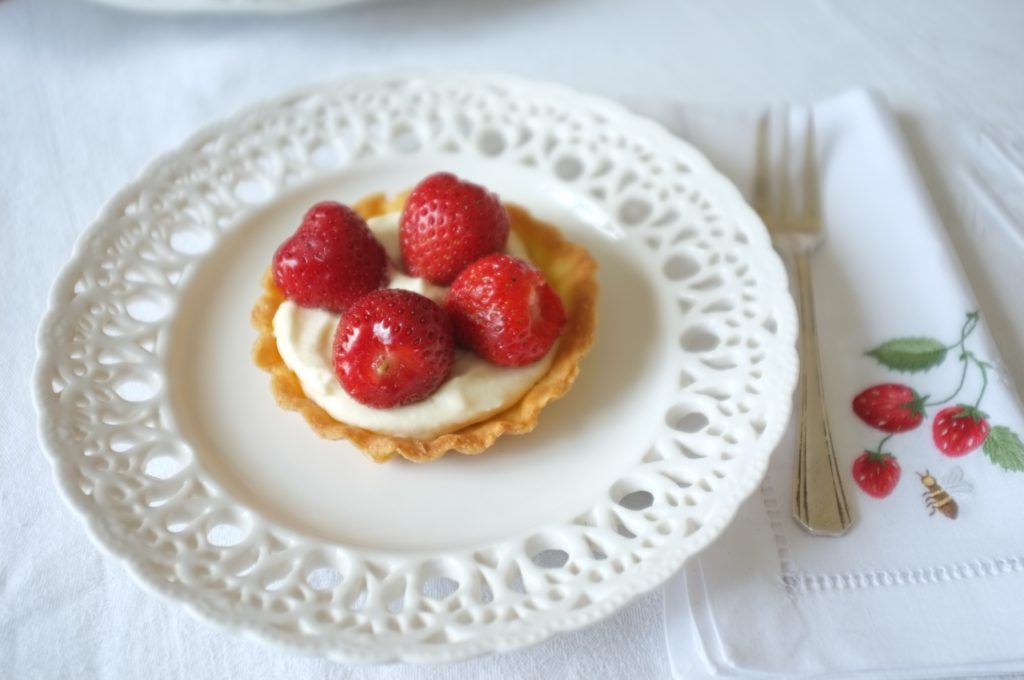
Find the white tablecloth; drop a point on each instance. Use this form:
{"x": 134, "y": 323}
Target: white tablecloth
{"x": 88, "y": 95}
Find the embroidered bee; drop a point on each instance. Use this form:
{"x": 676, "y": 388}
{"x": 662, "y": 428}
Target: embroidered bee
{"x": 939, "y": 497}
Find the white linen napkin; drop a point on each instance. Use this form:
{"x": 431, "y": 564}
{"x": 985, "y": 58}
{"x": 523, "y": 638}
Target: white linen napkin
{"x": 909, "y": 591}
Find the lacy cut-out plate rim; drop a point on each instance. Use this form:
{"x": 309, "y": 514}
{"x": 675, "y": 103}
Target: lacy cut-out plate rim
{"x": 511, "y": 618}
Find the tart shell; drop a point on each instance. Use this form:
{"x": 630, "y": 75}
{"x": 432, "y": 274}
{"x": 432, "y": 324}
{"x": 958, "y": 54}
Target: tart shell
{"x": 569, "y": 269}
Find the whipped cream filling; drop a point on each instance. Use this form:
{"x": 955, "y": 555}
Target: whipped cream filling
{"x": 475, "y": 389}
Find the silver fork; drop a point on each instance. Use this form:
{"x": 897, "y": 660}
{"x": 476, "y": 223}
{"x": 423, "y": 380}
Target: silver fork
{"x": 786, "y": 196}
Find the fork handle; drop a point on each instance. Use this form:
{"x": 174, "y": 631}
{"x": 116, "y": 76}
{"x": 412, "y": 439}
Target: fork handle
{"x": 819, "y": 500}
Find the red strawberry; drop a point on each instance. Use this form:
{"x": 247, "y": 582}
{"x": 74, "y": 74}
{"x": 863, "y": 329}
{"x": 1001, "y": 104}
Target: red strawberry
{"x": 890, "y": 407}
{"x": 447, "y": 224}
{"x": 393, "y": 347}
{"x": 505, "y": 311}
{"x": 331, "y": 260}
{"x": 959, "y": 429}
{"x": 876, "y": 473}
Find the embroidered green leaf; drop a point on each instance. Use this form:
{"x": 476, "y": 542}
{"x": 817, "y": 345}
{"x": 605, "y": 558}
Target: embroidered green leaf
{"x": 909, "y": 354}
{"x": 1004, "y": 448}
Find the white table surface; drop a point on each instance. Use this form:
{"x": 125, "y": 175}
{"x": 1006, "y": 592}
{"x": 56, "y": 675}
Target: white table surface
{"x": 88, "y": 95}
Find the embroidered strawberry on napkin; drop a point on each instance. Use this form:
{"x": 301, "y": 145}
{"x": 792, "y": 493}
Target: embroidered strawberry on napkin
{"x": 959, "y": 425}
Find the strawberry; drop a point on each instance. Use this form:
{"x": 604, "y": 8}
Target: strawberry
{"x": 959, "y": 429}
{"x": 331, "y": 260}
{"x": 505, "y": 311}
{"x": 890, "y": 407}
{"x": 876, "y": 473}
{"x": 447, "y": 224}
{"x": 393, "y": 347}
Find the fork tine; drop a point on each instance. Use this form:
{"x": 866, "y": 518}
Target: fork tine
{"x": 762, "y": 166}
{"x": 784, "y": 167}
{"x": 811, "y": 190}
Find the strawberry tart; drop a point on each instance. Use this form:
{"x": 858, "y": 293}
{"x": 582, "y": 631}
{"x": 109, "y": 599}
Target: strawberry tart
{"x": 436, "y": 320}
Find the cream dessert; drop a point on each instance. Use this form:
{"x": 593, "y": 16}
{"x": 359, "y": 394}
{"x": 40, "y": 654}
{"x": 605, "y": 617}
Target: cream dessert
{"x": 434, "y": 321}
{"x": 474, "y": 390}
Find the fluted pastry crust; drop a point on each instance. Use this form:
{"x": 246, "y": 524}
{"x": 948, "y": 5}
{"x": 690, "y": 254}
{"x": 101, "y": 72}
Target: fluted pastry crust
{"x": 569, "y": 269}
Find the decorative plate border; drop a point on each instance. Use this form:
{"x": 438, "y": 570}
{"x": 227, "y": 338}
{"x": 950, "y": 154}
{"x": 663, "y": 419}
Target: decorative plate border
{"x": 105, "y": 419}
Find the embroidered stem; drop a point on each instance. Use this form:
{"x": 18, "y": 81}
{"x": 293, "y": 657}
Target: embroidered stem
{"x": 969, "y": 325}
{"x": 984, "y": 379}
{"x": 963, "y": 377}
{"x": 965, "y": 358}
{"x": 882, "y": 443}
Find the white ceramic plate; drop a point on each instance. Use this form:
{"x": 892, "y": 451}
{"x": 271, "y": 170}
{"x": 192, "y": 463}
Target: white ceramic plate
{"x": 166, "y": 438}
{"x": 228, "y": 6}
